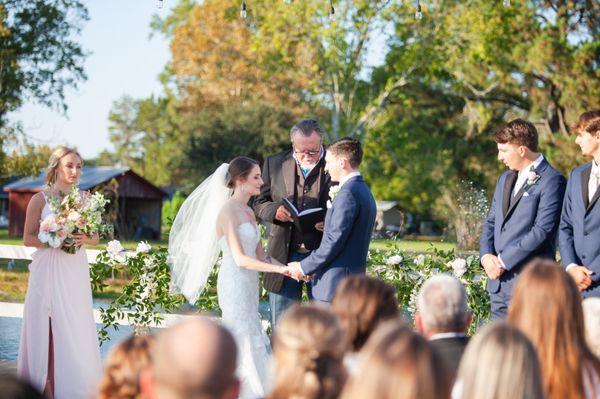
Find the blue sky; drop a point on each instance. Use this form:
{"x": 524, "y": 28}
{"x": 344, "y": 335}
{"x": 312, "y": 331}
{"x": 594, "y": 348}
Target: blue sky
{"x": 123, "y": 60}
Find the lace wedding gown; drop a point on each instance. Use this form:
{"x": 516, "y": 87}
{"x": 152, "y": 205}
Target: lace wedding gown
{"x": 59, "y": 292}
{"x": 238, "y": 294}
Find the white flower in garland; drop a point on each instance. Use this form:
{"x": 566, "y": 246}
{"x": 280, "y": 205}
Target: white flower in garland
{"x": 394, "y": 260}
{"x": 143, "y": 247}
{"x": 459, "y": 266}
{"x": 419, "y": 260}
{"x": 114, "y": 248}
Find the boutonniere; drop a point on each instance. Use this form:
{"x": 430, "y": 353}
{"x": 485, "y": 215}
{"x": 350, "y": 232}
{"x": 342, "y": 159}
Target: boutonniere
{"x": 532, "y": 178}
{"x": 333, "y": 191}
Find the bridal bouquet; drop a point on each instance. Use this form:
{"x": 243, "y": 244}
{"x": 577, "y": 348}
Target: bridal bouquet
{"x": 77, "y": 212}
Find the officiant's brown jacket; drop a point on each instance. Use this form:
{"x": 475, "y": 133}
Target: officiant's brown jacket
{"x": 283, "y": 179}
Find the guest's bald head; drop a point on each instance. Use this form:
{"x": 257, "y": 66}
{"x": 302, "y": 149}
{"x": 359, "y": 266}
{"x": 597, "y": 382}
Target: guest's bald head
{"x": 194, "y": 359}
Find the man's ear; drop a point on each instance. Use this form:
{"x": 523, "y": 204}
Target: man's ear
{"x": 419, "y": 323}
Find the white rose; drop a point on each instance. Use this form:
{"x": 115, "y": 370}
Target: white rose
{"x": 459, "y": 266}
{"x": 419, "y": 260}
{"x": 143, "y": 247}
{"x": 74, "y": 216}
{"x": 333, "y": 191}
{"x": 394, "y": 260}
{"x": 54, "y": 242}
{"x": 114, "y": 247}
{"x": 44, "y": 236}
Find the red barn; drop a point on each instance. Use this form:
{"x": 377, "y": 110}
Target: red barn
{"x": 138, "y": 202}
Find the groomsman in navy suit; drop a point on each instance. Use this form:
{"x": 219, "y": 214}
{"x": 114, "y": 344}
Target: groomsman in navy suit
{"x": 579, "y": 236}
{"x": 525, "y": 213}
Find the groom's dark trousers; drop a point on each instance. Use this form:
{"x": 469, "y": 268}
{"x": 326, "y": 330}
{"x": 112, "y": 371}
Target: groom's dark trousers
{"x": 283, "y": 178}
{"x": 520, "y": 228}
{"x": 579, "y": 235}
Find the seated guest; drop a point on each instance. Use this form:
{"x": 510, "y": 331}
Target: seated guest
{"x": 443, "y": 318}
{"x": 398, "y": 363}
{"x": 361, "y": 304}
{"x": 499, "y": 363}
{"x": 546, "y": 306}
{"x": 308, "y": 350}
{"x": 591, "y": 315}
{"x": 12, "y": 387}
{"x": 123, "y": 366}
{"x": 192, "y": 360}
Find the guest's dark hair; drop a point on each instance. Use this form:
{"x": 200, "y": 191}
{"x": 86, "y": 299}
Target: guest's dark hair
{"x": 361, "y": 304}
{"x": 12, "y": 387}
{"x": 519, "y": 132}
{"x": 306, "y": 127}
{"x": 239, "y": 168}
{"x": 589, "y": 122}
{"x": 347, "y": 148}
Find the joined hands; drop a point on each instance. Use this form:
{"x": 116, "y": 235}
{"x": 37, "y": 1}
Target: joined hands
{"x": 294, "y": 271}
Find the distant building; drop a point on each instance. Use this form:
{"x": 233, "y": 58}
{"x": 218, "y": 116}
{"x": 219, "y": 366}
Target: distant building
{"x": 139, "y": 202}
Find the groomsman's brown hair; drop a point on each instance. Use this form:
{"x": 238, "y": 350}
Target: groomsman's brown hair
{"x": 519, "y": 132}
{"x": 348, "y": 148}
{"x": 588, "y": 122}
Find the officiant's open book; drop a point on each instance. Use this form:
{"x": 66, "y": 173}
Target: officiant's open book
{"x": 304, "y": 221}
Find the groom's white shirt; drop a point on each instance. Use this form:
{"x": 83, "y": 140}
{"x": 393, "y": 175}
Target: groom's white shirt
{"x": 349, "y": 176}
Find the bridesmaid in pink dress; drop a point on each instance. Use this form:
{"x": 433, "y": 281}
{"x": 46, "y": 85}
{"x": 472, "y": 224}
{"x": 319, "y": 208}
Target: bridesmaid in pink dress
{"x": 58, "y": 351}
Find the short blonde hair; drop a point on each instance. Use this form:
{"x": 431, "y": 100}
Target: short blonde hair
{"x": 54, "y": 162}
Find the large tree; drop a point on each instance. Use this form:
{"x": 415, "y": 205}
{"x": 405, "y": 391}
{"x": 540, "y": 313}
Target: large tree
{"x": 39, "y": 59}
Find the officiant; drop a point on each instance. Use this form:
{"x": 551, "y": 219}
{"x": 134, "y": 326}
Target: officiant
{"x": 298, "y": 175}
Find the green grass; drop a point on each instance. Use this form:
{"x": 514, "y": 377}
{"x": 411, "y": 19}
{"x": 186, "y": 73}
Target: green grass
{"x": 413, "y": 245}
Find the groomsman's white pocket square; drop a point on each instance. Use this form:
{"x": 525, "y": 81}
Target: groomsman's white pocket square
{"x": 525, "y": 194}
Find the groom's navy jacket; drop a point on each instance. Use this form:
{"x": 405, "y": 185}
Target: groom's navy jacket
{"x": 343, "y": 251}
{"x": 579, "y": 235}
{"x": 521, "y": 228}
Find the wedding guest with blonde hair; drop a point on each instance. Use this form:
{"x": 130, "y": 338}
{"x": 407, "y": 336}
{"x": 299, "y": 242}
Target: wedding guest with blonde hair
{"x": 361, "y": 304}
{"x": 58, "y": 351}
{"x": 398, "y": 363}
{"x": 122, "y": 369}
{"x": 308, "y": 349}
{"x": 546, "y": 306}
{"x": 499, "y": 363}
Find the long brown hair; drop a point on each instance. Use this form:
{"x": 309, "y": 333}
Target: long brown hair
{"x": 396, "y": 362}
{"x": 308, "y": 351}
{"x": 546, "y": 306}
{"x": 57, "y": 155}
{"x": 123, "y": 366}
{"x": 361, "y": 304}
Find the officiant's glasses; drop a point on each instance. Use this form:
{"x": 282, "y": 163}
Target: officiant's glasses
{"x": 307, "y": 152}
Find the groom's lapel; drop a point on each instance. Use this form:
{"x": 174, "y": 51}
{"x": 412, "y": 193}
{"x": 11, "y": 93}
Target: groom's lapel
{"x": 509, "y": 183}
{"x": 288, "y": 170}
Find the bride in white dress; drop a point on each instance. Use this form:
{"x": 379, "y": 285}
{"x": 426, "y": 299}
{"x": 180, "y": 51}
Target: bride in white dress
{"x": 216, "y": 217}
{"x": 58, "y": 350}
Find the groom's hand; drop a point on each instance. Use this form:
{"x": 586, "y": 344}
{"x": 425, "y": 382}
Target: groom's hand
{"x": 296, "y": 272}
{"x": 581, "y": 275}
{"x": 283, "y": 215}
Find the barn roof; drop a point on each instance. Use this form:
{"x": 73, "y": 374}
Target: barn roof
{"x": 91, "y": 176}
{"x": 386, "y": 205}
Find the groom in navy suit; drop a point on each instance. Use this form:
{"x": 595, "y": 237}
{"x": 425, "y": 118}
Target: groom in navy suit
{"x": 523, "y": 220}
{"x": 348, "y": 224}
{"x": 579, "y": 236}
